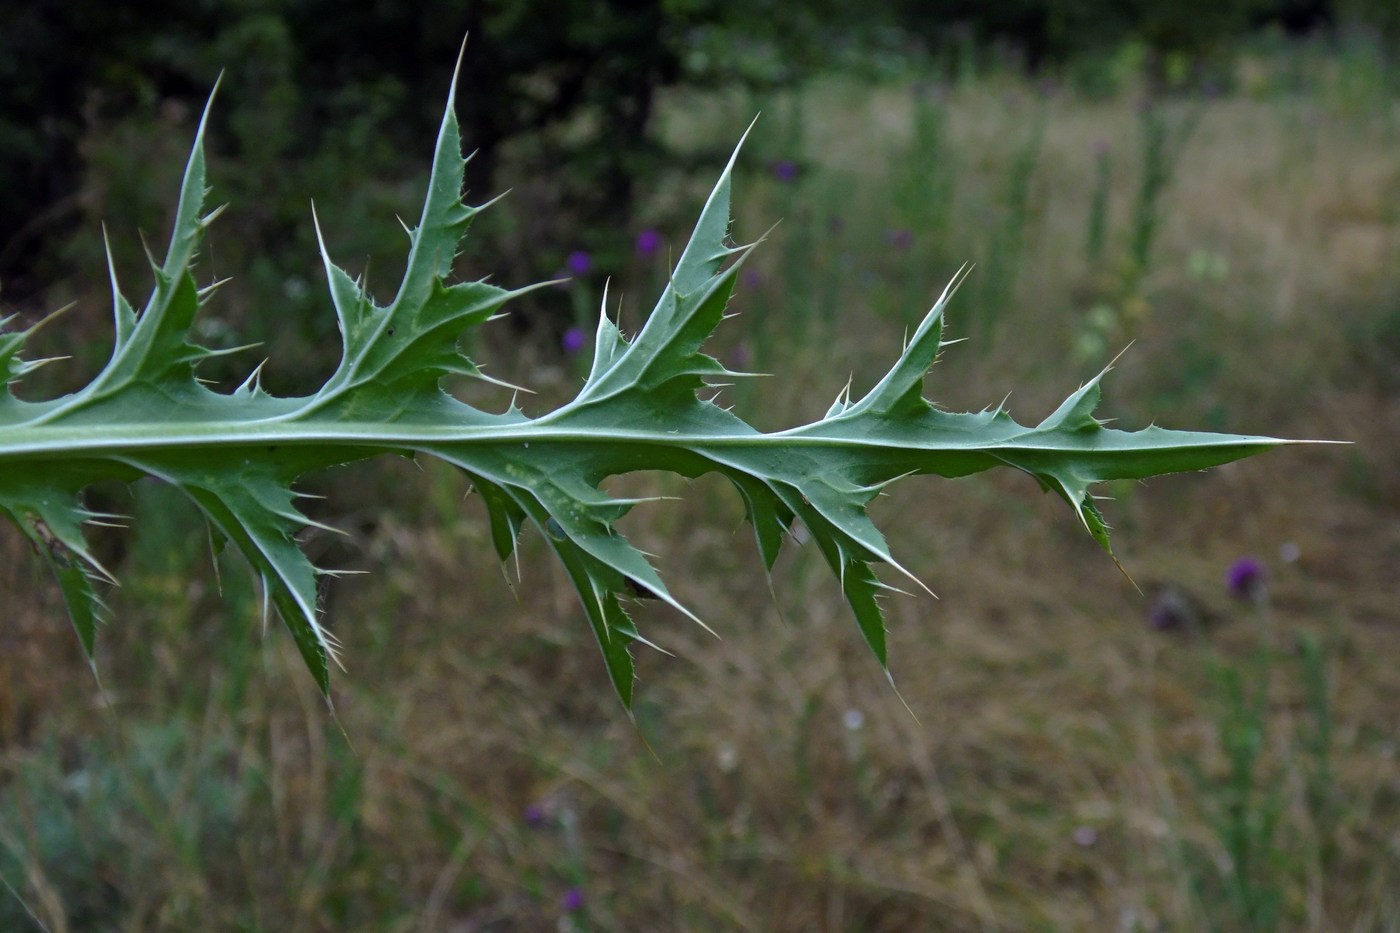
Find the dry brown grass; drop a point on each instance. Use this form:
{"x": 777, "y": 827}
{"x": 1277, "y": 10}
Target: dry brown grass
{"x": 1041, "y": 777}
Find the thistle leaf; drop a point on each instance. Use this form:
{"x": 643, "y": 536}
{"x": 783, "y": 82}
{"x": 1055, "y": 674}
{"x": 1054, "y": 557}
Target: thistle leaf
{"x": 237, "y": 455}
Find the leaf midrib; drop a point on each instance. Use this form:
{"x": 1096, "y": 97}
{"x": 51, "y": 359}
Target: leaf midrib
{"x": 27, "y": 443}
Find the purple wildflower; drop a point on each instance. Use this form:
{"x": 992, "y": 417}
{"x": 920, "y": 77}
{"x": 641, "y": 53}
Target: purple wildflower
{"x": 534, "y": 815}
{"x": 1245, "y": 578}
{"x": 648, "y": 242}
{"x": 785, "y": 170}
{"x": 899, "y": 239}
{"x": 579, "y": 262}
{"x": 573, "y": 340}
{"x": 1172, "y": 609}
{"x": 751, "y": 278}
{"x": 573, "y": 900}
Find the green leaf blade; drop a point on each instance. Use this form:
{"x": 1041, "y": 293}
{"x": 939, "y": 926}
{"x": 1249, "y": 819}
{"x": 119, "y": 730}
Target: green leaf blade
{"x": 237, "y": 455}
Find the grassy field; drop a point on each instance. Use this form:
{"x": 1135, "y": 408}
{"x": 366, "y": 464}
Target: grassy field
{"x": 1216, "y": 752}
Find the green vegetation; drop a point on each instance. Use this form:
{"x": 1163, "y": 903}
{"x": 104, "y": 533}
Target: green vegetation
{"x": 1209, "y": 755}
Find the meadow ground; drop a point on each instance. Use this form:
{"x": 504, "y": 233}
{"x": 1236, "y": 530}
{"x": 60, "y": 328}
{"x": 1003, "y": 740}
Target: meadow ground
{"x": 1075, "y": 754}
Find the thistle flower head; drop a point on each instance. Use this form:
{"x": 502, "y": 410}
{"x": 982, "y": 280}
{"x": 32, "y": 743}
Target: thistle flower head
{"x": 900, "y": 239}
{"x": 579, "y": 262}
{"x": 573, "y": 340}
{"x": 1245, "y": 578}
{"x": 648, "y": 242}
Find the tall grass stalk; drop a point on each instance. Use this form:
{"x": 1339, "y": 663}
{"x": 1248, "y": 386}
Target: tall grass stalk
{"x": 1162, "y": 137}
{"x": 1272, "y": 810}
{"x": 1003, "y": 257}
{"x": 1096, "y": 233}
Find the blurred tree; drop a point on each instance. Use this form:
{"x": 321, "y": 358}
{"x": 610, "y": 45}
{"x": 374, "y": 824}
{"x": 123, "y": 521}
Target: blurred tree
{"x": 1053, "y": 31}
{"x": 531, "y": 68}
{"x": 1298, "y": 17}
{"x": 326, "y": 89}
{"x": 52, "y": 57}
{"x": 1381, "y": 16}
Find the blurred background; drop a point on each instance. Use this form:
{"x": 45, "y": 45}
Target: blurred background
{"x": 1214, "y": 184}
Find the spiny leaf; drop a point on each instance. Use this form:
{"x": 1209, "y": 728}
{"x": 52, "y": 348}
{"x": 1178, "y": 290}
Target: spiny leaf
{"x": 237, "y": 455}
{"x": 50, "y": 514}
